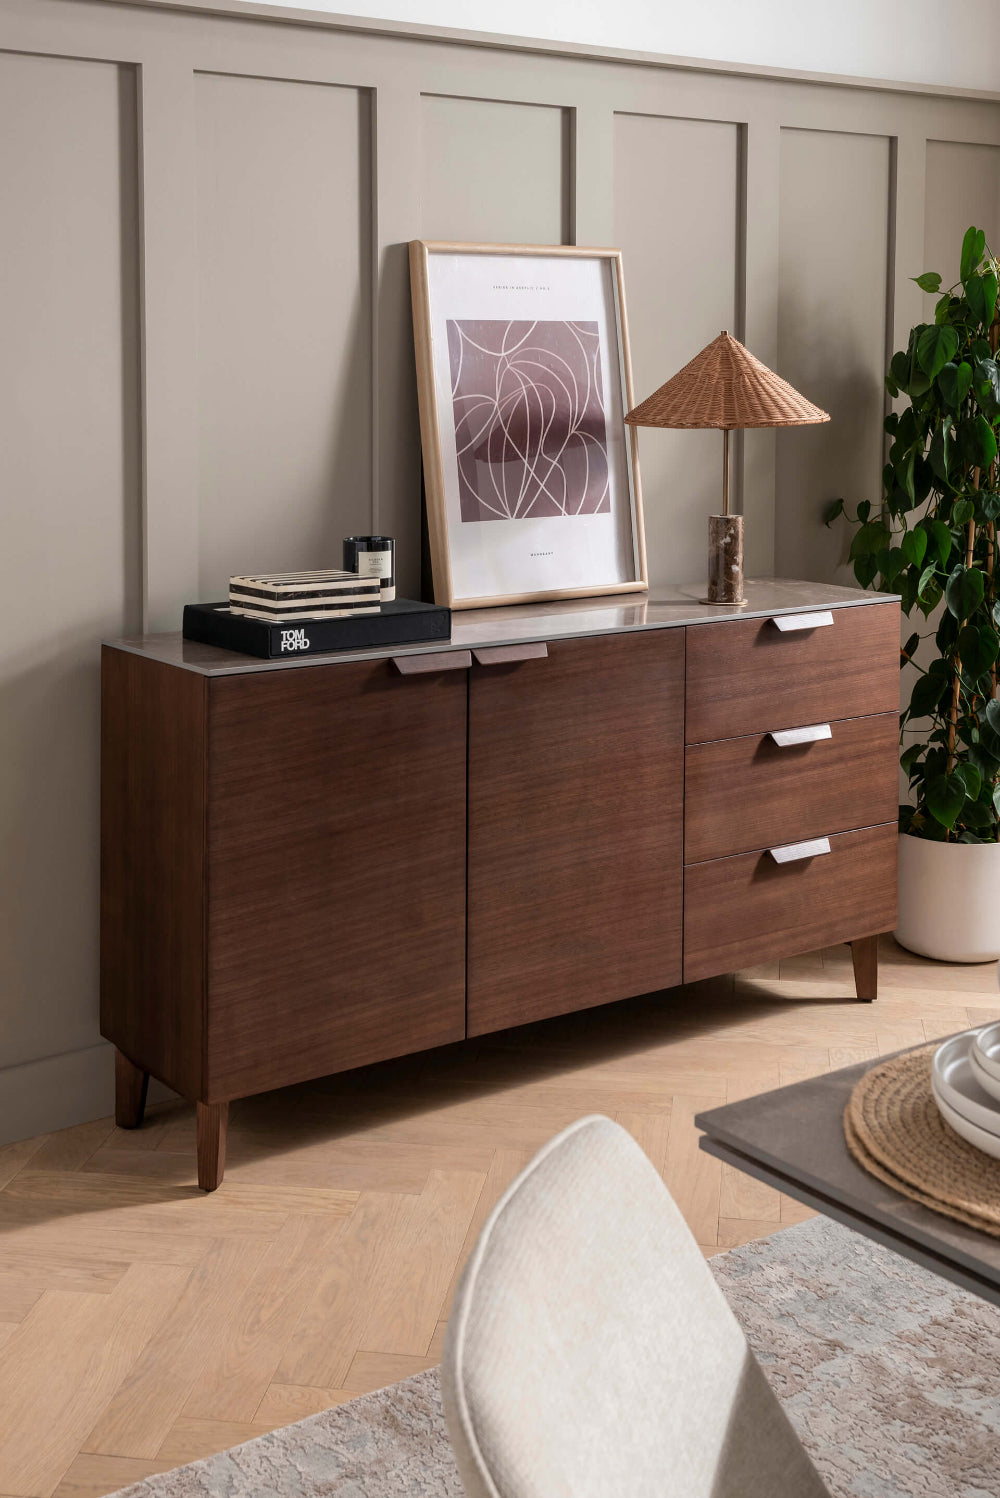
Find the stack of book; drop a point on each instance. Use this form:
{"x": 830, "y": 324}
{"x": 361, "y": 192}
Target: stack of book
{"x": 298, "y": 597}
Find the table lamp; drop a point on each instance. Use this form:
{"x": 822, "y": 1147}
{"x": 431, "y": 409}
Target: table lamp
{"x": 725, "y": 386}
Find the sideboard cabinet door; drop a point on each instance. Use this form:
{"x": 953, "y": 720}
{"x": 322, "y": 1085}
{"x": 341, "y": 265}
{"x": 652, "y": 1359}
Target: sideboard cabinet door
{"x": 576, "y": 783}
{"x": 336, "y": 871}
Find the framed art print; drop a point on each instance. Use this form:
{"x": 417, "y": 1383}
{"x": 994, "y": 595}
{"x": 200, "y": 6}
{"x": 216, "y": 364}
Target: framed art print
{"x": 523, "y": 378}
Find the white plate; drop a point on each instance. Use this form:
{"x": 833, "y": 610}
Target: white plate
{"x": 987, "y": 1043}
{"x": 988, "y": 1143}
{"x": 953, "y": 1080}
{"x": 987, "y": 1081}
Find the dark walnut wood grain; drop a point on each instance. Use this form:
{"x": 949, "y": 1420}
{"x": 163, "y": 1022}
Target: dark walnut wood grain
{"x": 336, "y": 848}
{"x": 745, "y": 676}
{"x": 212, "y": 1132}
{"x": 152, "y": 866}
{"x": 746, "y": 793}
{"x": 575, "y": 817}
{"x": 864, "y": 956}
{"x": 131, "y": 1086}
{"x": 738, "y": 911}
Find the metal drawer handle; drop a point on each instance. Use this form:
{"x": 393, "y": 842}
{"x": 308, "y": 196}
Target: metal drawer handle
{"x": 792, "y": 852}
{"x": 432, "y": 660}
{"x": 788, "y": 622}
{"x": 500, "y": 655}
{"x": 784, "y": 737}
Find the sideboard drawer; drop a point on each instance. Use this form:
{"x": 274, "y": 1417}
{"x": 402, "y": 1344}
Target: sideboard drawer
{"x": 752, "y": 791}
{"x": 738, "y": 911}
{"x": 748, "y": 675}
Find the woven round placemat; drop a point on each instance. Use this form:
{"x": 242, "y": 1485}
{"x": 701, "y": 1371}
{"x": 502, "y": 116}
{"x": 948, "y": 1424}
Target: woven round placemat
{"x": 894, "y": 1130}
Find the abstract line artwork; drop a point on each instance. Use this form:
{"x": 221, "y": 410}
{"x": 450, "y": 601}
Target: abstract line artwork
{"x": 530, "y": 423}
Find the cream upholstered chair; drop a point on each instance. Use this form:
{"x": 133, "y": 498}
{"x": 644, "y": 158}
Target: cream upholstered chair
{"x": 590, "y": 1353}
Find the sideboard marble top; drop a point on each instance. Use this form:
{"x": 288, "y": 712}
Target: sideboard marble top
{"x": 664, "y": 607}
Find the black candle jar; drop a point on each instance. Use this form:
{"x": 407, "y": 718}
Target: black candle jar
{"x": 373, "y": 556}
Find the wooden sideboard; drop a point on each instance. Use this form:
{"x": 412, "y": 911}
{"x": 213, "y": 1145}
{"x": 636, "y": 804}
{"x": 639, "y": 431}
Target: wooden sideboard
{"x": 314, "y": 864}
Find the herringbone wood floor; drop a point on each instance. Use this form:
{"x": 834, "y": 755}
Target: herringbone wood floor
{"x": 143, "y": 1324}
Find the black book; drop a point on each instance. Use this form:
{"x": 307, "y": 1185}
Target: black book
{"x": 400, "y": 622}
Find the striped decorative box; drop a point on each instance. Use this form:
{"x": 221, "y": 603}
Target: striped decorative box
{"x": 301, "y": 596}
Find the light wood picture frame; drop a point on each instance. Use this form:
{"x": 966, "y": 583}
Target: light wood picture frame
{"x": 522, "y": 423}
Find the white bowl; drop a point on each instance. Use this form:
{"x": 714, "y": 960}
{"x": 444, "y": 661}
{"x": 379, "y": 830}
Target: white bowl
{"x": 953, "y": 1080}
{"x": 987, "y": 1045}
{"x": 987, "y": 1081}
{"x": 970, "y": 1132}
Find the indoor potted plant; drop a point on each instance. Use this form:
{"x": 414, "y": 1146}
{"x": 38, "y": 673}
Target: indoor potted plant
{"x": 933, "y": 540}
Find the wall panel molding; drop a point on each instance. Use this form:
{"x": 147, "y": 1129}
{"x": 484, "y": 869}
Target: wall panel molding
{"x": 169, "y": 295}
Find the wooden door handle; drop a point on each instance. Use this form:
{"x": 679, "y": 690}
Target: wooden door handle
{"x": 784, "y": 737}
{"x": 500, "y": 655}
{"x": 789, "y": 622}
{"x": 792, "y": 852}
{"x": 432, "y": 660}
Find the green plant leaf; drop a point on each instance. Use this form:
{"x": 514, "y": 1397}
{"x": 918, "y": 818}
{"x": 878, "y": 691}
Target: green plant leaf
{"x": 899, "y": 370}
{"x": 981, "y": 295}
{"x": 935, "y": 347}
{"x": 970, "y": 779}
{"x": 973, "y": 245}
{"x": 975, "y": 814}
{"x": 870, "y": 539}
{"x": 989, "y": 728}
{"x": 975, "y": 295}
{"x": 986, "y": 382}
{"x": 964, "y": 591}
{"x": 908, "y": 649}
{"x": 991, "y": 285}
{"x": 942, "y": 540}
{"x": 864, "y": 509}
{"x": 940, "y": 451}
{"x": 929, "y": 281}
{"x": 987, "y": 441}
{"x": 996, "y": 799}
{"x": 987, "y": 767}
{"x": 945, "y": 797}
{"x": 963, "y": 511}
{"x": 914, "y": 547}
{"x": 909, "y": 758}
{"x": 978, "y": 647}
{"x": 954, "y": 382}
{"x": 833, "y": 510}
{"x": 926, "y": 695}
{"x": 891, "y": 562}
{"x": 931, "y": 596}
{"x": 865, "y": 569}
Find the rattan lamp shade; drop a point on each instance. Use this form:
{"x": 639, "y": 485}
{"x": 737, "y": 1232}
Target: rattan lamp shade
{"x": 725, "y": 386}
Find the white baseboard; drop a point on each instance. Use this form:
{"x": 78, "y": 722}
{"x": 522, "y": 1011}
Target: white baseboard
{"x": 57, "y": 1092}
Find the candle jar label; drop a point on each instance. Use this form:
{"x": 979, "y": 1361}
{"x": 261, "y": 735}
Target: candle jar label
{"x": 374, "y": 563}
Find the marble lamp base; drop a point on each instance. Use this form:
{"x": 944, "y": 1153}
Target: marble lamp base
{"x": 725, "y": 561}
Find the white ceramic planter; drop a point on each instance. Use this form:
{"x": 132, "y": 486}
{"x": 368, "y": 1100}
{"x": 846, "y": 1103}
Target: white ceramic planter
{"x": 949, "y": 899}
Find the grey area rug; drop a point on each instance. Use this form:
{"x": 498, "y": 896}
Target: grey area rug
{"x": 890, "y": 1375}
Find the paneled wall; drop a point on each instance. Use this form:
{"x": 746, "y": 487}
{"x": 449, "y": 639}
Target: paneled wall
{"x": 206, "y": 361}
{"x": 834, "y": 214}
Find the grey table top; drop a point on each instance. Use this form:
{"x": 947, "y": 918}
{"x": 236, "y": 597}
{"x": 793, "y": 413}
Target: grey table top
{"x": 793, "y": 1139}
{"x": 662, "y": 608}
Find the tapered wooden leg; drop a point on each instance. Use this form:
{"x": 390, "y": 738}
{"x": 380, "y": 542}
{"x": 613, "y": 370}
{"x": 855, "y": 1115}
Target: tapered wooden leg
{"x": 864, "y": 953}
{"x": 131, "y": 1083}
{"x": 213, "y": 1123}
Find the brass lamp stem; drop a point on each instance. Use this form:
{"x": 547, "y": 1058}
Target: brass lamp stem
{"x": 725, "y": 470}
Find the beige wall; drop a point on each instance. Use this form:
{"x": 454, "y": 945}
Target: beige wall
{"x": 206, "y": 361}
